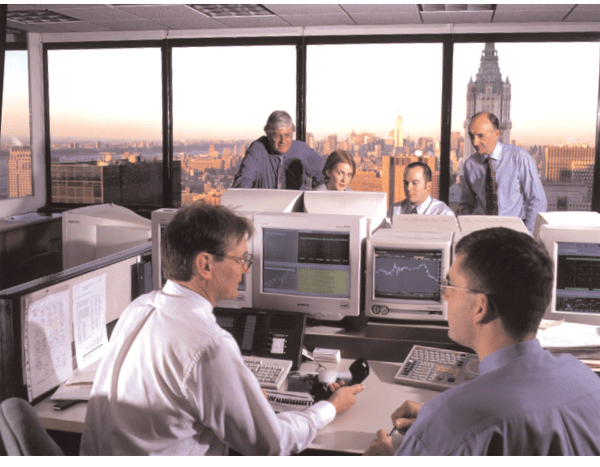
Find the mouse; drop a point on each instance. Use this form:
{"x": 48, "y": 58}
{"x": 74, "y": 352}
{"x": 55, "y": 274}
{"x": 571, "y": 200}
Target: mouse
{"x": 327, "y": 376}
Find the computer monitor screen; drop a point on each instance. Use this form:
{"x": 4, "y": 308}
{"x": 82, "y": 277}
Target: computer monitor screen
{"x": 372, "y": 205}
{"x": 309, "y": 263}
{"x": 404, "y": 272}
{"x": 160, "y": 219}
{"x": 576, "y": 288}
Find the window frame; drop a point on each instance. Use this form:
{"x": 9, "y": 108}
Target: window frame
{"x": 302, "y": 44}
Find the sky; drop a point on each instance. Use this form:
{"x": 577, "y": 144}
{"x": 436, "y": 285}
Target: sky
{"x": 228, "y": 92}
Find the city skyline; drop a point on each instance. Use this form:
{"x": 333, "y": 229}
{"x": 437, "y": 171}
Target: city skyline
{"x": 539, "y": 113}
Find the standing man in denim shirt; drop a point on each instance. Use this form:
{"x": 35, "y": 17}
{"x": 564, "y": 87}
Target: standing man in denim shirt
{"x": 277, "y": 160}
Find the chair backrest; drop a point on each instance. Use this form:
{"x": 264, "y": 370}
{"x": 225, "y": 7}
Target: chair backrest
{"x": 22, "y": 431}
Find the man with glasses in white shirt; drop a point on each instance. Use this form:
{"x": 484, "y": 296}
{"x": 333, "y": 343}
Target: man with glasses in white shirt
{"x": 172, "y": 382}
{"x": 525, "y": 401}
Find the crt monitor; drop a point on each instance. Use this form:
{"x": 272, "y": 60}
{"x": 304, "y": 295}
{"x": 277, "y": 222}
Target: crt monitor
{"x": 160, "y": 219}
{"x": 93, "y": 232}
{"x": 372, "y": 205}
{"x": 575, "y": 252}
{"x": 425, "y": 222}
{"x": 471, "y": 223}
{"x": 262, "y": 200}
{"x": 565, "y": 218}
{"x": 404, "y": 270}
{"x": 310, "y": 263}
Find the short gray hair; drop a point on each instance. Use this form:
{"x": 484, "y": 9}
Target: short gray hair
{"x": 279, "y": 119}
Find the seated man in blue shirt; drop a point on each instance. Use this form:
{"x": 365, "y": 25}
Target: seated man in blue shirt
{"x": 277, "y": 160}
{"x": 525, "y": 401}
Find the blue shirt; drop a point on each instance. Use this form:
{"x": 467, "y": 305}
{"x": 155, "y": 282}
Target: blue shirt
{"x": 520, "y": 190}
{"x": 259, "y": 166}
{"x": 526, "y": 401}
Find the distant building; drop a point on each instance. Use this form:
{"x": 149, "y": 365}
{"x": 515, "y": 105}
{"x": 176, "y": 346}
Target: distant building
{"x": 488, "y": 93}
{"x": 19, "y": 172}
{"x": 399, "y": 132}
{"x": 124, "y": 184}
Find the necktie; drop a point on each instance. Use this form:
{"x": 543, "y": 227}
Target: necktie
{"x": 414, "y": 210}
{"x": 491, "y": 190}
{"x": 280, "y": 174}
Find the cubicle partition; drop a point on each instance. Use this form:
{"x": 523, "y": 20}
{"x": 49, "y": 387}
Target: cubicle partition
{"x": 36, "y": 318}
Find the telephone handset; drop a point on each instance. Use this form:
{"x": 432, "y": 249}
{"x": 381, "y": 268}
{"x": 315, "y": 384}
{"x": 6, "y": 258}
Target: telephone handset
{"x": 270, "y": 334}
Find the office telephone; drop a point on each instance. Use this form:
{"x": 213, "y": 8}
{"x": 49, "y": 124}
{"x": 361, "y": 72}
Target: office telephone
{"x": 269, "y": 334}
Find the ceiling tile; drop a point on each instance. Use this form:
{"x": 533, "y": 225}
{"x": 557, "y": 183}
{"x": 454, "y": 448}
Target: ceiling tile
{"x": 584, "y": 16}
{"x": 130, "y": 25}
{"x": 254, "y": 22}
{"x": 318, "y": 20}
{"x": 93, "y": 13}
{"x": 387, "y": 19}
{"x": 200, "y": 22}
{"x": 160, "y": 11}
{"x": 303, "y": 9}
{"x": 76, "y": 26}
{"x": 531, "y": 16}
{"x": 27, "y": 27}
{"x": 381, "y": 8}
{"x": 533, "y": 7}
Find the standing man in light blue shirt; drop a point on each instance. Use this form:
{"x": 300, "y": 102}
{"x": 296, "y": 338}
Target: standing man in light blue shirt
{"x": 519, "y": 188}
{"x": 525, "y": 401}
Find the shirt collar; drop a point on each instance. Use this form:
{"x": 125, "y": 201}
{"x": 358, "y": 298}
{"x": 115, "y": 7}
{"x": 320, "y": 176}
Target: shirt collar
{"x": 421, "y": 207}
{"x": 172, "y": 288}
{"x": 507, "y": 354}
{"x": 497, "y": 152}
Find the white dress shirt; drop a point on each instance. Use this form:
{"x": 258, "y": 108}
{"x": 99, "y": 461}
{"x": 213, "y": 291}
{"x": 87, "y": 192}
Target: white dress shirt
{"x": 430, "y": 206}
{"x": 173, "y": 382}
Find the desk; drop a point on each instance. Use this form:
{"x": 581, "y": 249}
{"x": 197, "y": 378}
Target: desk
{"x": 350, "y": 433}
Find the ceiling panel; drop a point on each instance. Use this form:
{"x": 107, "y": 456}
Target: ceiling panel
{"x": 340, "y": 19}
{"x": 136, "y": 17}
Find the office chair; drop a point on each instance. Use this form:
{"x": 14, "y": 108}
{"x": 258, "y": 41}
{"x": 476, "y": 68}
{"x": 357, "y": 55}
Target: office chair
{"x": 22, "y": 432}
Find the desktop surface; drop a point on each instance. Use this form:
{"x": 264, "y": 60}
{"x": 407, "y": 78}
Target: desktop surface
{"x": 350, "y": 433}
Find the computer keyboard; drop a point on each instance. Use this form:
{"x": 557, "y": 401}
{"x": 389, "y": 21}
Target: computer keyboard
{"x": 270, "y": 372}
{"x": 438, "y": 369}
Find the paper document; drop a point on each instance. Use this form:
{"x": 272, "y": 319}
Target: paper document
{"x": 89, "y": 320}
{"x": 570, "y": 335}
{"x": 47, "y": 338}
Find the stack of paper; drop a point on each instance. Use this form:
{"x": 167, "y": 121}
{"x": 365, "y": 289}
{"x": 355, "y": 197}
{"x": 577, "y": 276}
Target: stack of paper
{"x": 580, "y": 340}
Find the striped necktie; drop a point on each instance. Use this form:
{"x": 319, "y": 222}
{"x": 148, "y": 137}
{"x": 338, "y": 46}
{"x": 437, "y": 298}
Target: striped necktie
{"x": 414, "y": 210}
{"x": 491, "y": 189}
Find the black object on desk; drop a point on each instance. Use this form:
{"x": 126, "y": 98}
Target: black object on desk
{"x": 359, "y": 371}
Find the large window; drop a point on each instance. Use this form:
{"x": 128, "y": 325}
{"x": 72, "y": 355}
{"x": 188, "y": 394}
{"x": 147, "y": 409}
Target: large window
{"x": 379, "y": 102}
{"x": 222, "y": 97}
{"x": 106, "y": 126}
{"x": 15, "y": 150}
{"x": 546, "y": 96}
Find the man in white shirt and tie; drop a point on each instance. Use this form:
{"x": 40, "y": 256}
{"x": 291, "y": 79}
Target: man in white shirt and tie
{"x": 417, "y": 187}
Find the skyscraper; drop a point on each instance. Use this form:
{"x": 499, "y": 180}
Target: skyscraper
{"x": 399, "y": 133}
{"x": 488, "y": 93}
{"x": 19, "y": 172}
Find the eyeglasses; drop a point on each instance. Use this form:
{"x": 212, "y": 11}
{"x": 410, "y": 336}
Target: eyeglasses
{"x": 445, "y": 289}
{"x": 245, "y": 261}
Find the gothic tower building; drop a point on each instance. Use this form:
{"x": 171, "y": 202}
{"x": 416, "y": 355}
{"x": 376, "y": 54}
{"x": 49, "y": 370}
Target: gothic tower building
{"x": 488, "y": 93}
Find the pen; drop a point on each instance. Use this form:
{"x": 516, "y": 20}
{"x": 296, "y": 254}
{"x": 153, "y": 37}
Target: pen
{"x": 393, "y": 430}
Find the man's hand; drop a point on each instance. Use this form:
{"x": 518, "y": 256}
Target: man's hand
{"x": 344, "y": 397}
{"x": 405, "y": 415}
{"x": 382, "y": 446}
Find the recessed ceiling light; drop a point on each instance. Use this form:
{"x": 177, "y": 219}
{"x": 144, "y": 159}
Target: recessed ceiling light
{"x": 38, "y": 17}
{"x": 227, "y": 10}
{"x": 429, "y": 8}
